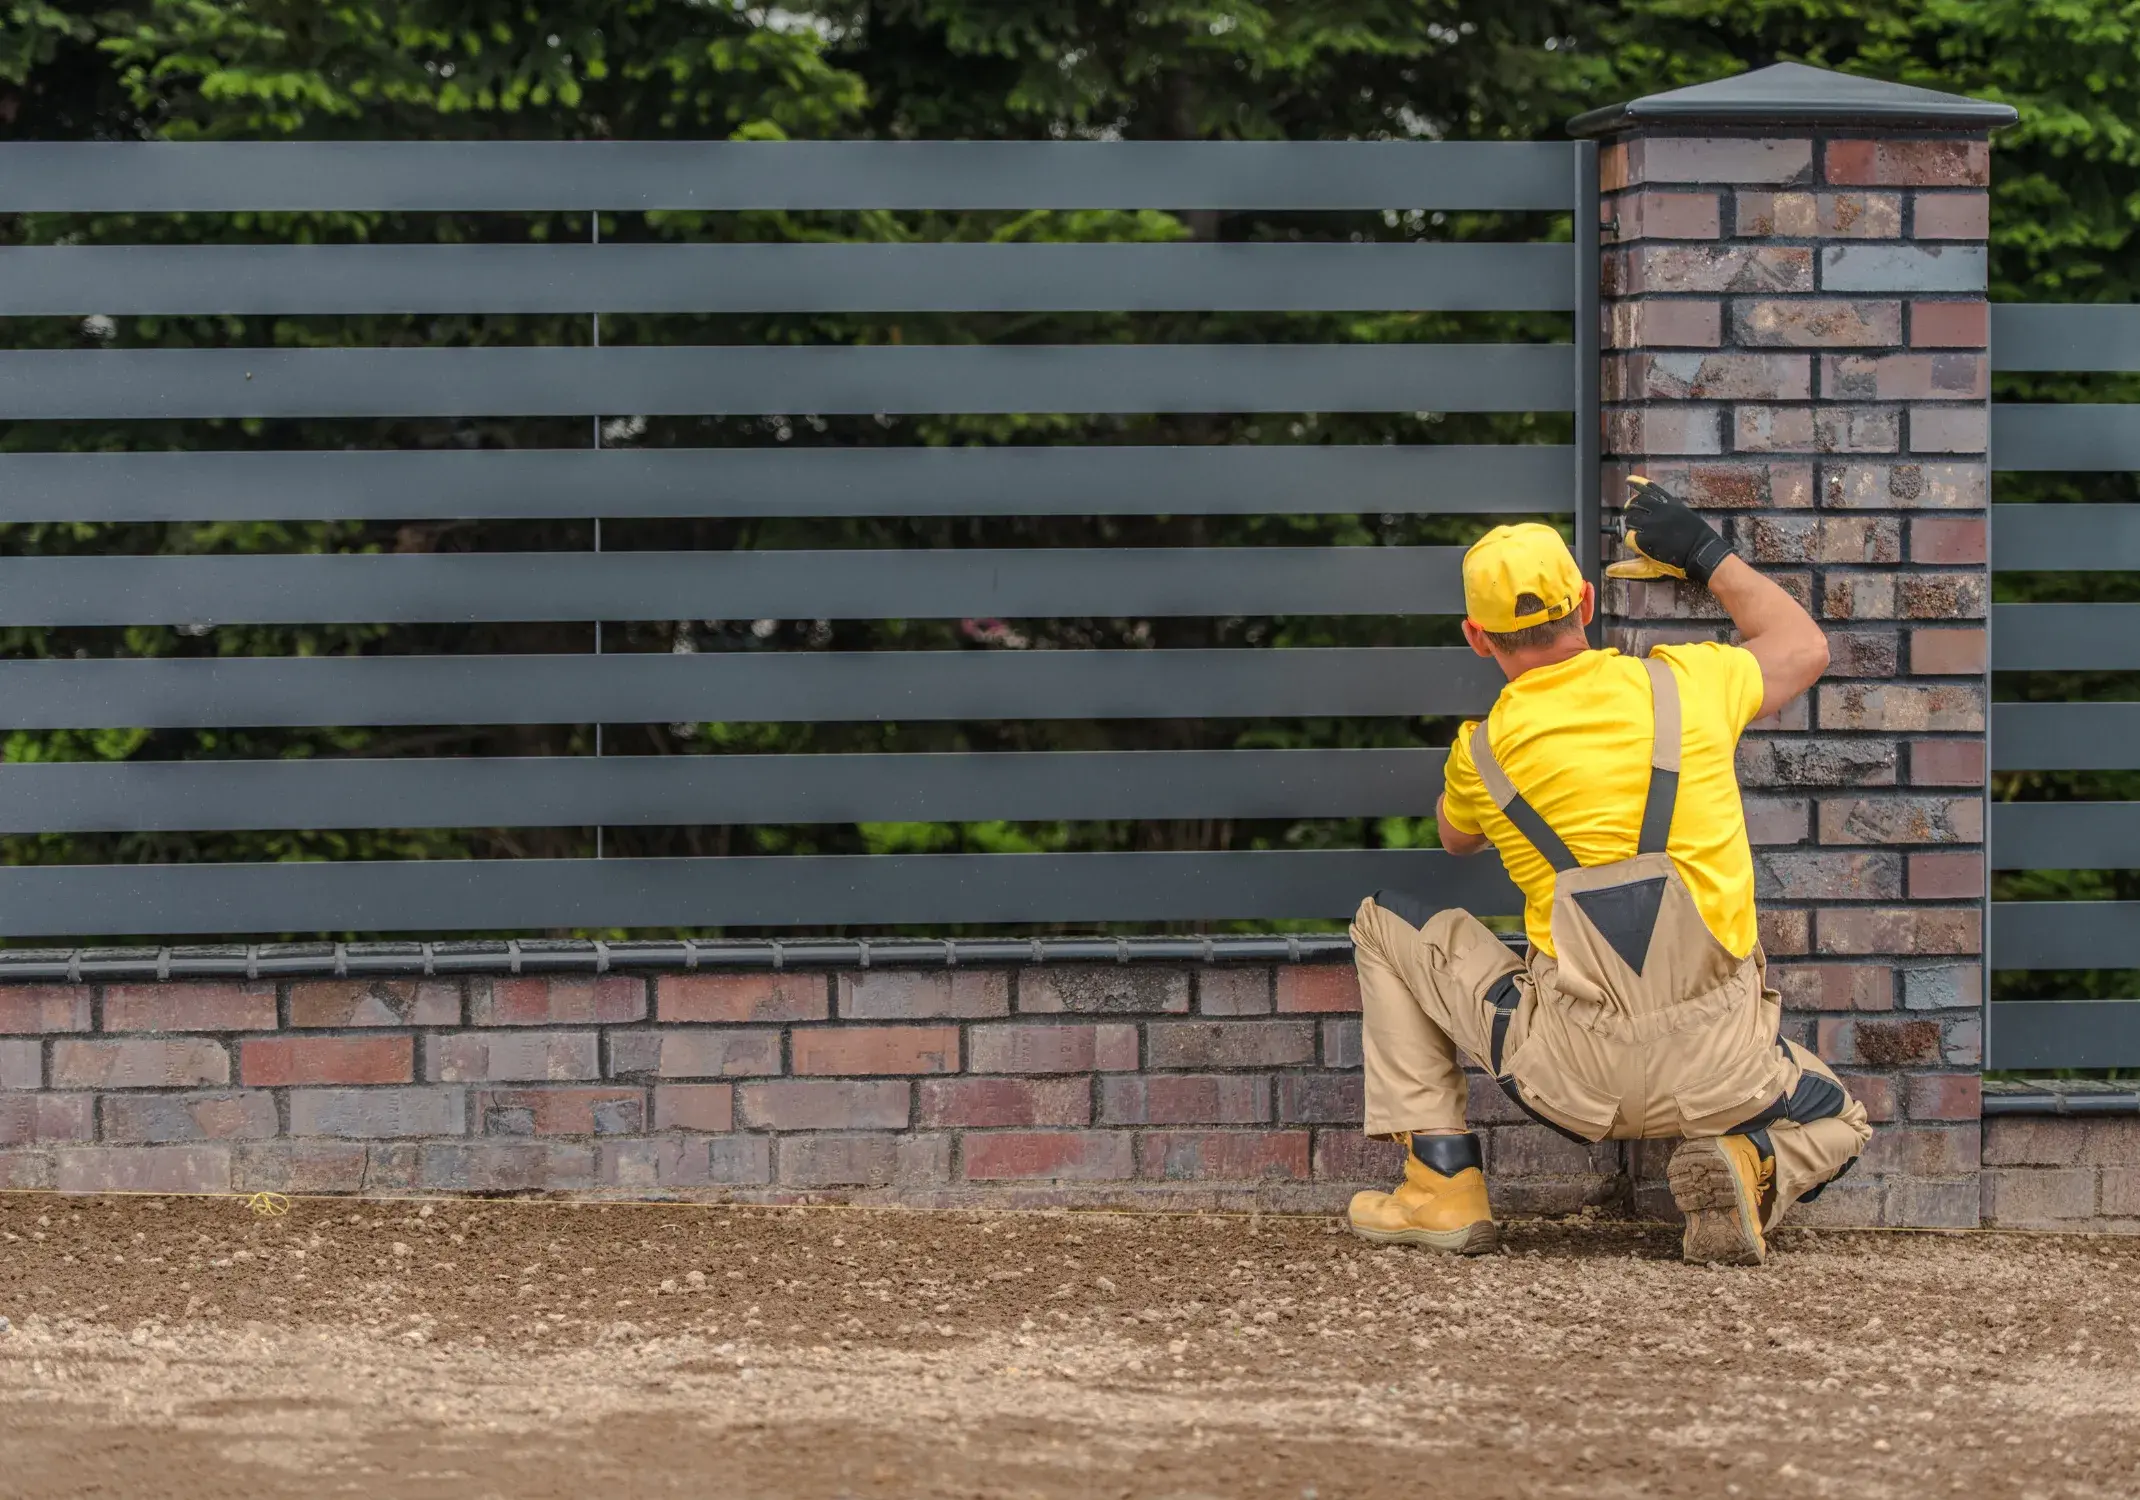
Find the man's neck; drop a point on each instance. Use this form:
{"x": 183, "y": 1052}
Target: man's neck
{"x": 1516, "y": 664}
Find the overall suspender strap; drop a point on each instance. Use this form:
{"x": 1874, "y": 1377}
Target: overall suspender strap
{"x": 1658, "y": 806}
{"x": 1664, "y": 757}
{"x": 1512, "y": 805}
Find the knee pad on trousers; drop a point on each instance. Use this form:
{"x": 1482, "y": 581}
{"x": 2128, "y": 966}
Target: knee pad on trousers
{"x": 1405, "y": 906}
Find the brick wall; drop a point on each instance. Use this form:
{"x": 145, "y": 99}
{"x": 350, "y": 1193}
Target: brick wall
{"x": 1795, "y": 332}
{"x": 1156, "y": 1084}
{"x": 2062, "y": 1172}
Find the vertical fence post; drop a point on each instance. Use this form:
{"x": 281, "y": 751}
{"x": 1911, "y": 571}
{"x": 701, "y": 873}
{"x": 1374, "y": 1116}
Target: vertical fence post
{"x": 1588, "y": 231}
{"x": 1795, "y": 306}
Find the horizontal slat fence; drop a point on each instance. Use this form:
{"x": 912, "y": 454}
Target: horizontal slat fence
{"x": 770, "y": 686}
{"x": 2072, "y": 736}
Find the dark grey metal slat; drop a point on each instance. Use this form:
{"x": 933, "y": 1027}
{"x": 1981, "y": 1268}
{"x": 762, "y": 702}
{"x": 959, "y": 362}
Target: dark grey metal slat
{"x": 2066, "y": 835}
{"x": 2073, "y": 336}
{"x": 753, "y": 891}
{"x": 2028, "y": 437}
{"x": 2062, "y": 1034}
{"x": 1030, "y": 481}
{"x": 647, "y": 790}
{"x": 2065, "y": 637}
{"x": 137, "y": 279}
{"x": 2065, "y": 538}
{"x": 433, "y": 176}
{"x": 770, "y": 686}
{"x": 870, "y": 585}
{"x": 2065, "y": 736}
{"x": 670, "y": 380}
{"x": 2065, "y": 934}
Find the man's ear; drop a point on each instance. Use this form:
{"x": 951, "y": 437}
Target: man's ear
{"x": 1589, "y": 606}
{"x": 1475, "y": 638}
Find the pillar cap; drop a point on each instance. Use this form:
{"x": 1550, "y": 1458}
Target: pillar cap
{"x": 1794, "y": 94}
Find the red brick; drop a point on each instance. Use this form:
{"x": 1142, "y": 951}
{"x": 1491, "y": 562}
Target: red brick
{"x": 1908, "y": 163}
{"x": 496, "y": 1166}
{"x": 1945, "y": 1096}
{"x": 999, "y": 1102}
{"x": 1902, "y": 820}
{"x": 1801, "y": 323}
{"x": 1947, "y": 762}
{"x": 1103, "y": 989}
{"x": 274, "y": 1062}
{"x": 375, "y": 1002}
{"x": 1809, "y": 761}
{"x": 1835, "y": 987}
{"x": 1061, "y": 1155}
{"x": 26, "y": 1170}
{"x": 1776, "y": 820}
{"x": 1668, "y": 216}
{"x": 1232, "y": 991}
{"x": 22, "y": 1065}
{"x": 1864, "y": 653}
{"x": 1876, "y": 1091}
{"x": 1814, "y": 429}
{"x": 1345, "y": 1155}
{"x": 1185, "y": 1099}
{"x": 1341, "y": 1044}
{"x": 1224, "y": 1155}
{"x": 1946, "y": 877}
{"x": 1905, "y": 377}
{"x": 44, "y": 1007}
{"x": 1902, "y": 706}
{"x": 189, "y": 1006}
{"x": 34, "y": 1119}
{"x": 714, "y": 1054}
{"x": 506, "y": 1057}
{"x": 1950, "y": 325}
{"x": 155, "y": 1119}
{"x": 1109, "y": 1048}
{"x": 1924, "y": 1150}
{"x": 1318, "y": 987}
{"x": 1868, "y": 930}
{"x": 825, "y": 1104}
{"x": 1879, "y": 1044}
{"x": 743, "y": 997}
{"x": 1229, "y": 1044}
{"x": 178, "y": 1063}
{"x": 1614, "y": 171}
{"x": 707, "y": 1107}
{"x": 2035, "y": 1197}
{"x": 1784, "y": 933}
{"x": 557, "y": 1000}
{"x": 1721, "y": 159}
{"x": 1947, "y": 539}
{"x": 1947, "y": 653}
{"x": 877, "y": 1049}
{"x": 1950, "y": 429}
{"x": 1952, "y": 216}
{"x": 1322, "y": 1099}
{"x": 924, "y": 994}
{"x": 1666, "y": 323}
{"x": 142, "y": 1169}
{"x": 1823, "y": 539}
{"x": 605, "y": 1111}
{"x": 1804, "y": 216}
{"x": 2033, "y": 1140}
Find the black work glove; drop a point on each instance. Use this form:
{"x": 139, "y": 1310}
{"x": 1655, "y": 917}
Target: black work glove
{"x": 1668, "y": 539}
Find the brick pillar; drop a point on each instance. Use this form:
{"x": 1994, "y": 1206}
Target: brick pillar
{"x": 1794, "y": 337}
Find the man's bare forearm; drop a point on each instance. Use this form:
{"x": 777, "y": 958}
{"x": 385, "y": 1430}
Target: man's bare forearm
{"x": 1788, "y": 643}
{"x": 1454, "y": 839}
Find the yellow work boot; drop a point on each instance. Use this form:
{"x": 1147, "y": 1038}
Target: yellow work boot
{"x": 1440, "y": 1204}
{"x": 1722, "y": 1185}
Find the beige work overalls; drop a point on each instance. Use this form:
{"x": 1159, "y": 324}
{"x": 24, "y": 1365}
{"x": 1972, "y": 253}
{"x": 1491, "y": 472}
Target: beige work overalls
{"x": 1645, "y": 1026}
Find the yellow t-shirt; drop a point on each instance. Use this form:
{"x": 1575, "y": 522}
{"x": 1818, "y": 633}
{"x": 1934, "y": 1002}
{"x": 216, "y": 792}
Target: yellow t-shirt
{"x": 1575, "y": 739}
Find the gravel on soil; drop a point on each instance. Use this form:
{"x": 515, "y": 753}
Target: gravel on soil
{"x": 452, "y": 1348}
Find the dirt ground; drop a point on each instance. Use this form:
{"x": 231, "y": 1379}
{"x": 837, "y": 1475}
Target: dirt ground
{"x": 188, "y": 1348}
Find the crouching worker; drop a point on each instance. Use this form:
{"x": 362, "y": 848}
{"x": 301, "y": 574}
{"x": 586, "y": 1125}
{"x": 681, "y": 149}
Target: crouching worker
{"x": 1608, "y": 788}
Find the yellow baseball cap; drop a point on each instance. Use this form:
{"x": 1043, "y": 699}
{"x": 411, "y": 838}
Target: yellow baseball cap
{"x": 1510, "y": 561}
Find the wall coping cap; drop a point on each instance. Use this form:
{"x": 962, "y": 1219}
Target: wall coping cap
{"x": 1790, "y": 93}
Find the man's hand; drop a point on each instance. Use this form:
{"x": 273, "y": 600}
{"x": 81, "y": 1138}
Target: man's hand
{"x": 1670, "y": 541}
